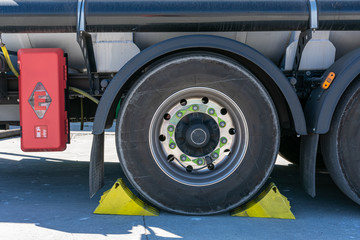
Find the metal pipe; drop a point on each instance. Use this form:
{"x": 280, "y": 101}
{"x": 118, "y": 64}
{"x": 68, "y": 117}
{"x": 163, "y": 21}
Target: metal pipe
{"x": 38, "y": 16}
{"x": 339, "y": 15}
{"x": 198, "y": 16}
{"x": 176, "y": 15}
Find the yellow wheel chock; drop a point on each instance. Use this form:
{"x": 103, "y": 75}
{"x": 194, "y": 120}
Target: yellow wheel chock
{"x": 269, "y": 204}
{"x": 120, "y": 200}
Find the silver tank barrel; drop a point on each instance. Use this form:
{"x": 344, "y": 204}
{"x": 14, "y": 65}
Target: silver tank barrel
{"x": 339, "y": 15}
{"x": 176, "y": 15}
{"x": 38, "y": 16}
{"x": 197, "y": 16}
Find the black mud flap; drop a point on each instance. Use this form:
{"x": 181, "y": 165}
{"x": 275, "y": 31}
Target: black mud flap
{"x": 96, "y": 171}
{"x": 308, "y": 153}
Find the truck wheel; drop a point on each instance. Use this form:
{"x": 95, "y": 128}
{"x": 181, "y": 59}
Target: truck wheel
{"x": 340, "y": 146}
{"x": 197, "y": 134}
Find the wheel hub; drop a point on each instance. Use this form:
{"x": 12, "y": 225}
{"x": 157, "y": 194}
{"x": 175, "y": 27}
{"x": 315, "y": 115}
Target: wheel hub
{"x": 197, "y": 133}
{"x": 199, "y": 137}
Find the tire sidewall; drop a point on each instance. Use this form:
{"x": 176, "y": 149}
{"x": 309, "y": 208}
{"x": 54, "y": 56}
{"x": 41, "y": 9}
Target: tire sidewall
{"x": 340, "y": 144}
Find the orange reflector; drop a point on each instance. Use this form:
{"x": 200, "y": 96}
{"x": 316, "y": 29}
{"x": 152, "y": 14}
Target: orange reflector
{"x": 329, "y": 79}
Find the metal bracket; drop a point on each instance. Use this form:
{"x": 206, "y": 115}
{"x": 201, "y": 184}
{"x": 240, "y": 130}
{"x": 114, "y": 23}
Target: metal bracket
{"x": 314, "y": 21}
{"x": 85, "y": 43}
{"x": 305, "y": 36}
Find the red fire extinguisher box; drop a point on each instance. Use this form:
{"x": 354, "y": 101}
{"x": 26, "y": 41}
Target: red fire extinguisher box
{"x": 42, "y": 85}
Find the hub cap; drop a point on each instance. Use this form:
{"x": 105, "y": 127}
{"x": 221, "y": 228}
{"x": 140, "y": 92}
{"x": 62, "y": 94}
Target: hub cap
{"x": 198, "y": 136}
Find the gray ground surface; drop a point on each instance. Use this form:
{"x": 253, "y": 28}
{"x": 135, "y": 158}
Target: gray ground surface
{"x": 45, "y": 196}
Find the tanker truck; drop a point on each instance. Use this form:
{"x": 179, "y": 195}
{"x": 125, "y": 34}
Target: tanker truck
{"x": 204, "y": 94}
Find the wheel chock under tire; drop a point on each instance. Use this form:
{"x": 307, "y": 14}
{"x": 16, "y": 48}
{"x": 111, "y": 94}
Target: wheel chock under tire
{"x": 120, "y": 200}
{"x": 269, "y": 204}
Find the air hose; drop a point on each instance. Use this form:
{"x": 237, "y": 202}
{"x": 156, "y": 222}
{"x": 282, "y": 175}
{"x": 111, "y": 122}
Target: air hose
{"x": 7, "y": 58}
{"x": 85, "y": 94}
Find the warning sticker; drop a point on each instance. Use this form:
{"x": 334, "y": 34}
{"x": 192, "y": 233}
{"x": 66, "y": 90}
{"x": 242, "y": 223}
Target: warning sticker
{"x": 41, "y": 131}
{"x": 40, "y": 100}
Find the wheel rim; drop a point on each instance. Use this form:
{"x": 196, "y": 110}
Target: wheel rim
{"x": 198, "y": 136}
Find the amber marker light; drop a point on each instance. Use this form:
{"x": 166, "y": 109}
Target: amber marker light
{"x": 329, "y": 79}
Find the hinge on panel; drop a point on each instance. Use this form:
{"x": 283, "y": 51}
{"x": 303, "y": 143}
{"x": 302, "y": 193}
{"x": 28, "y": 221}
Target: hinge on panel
{"x": 85, "y": 42}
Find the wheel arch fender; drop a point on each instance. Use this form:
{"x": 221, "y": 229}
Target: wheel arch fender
{"x": 321, "y": 105}
{"x": 106, "y": 109}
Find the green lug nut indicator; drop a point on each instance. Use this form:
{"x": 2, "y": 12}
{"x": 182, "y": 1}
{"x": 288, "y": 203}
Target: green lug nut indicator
{"x": 172, "y": 144}
{"x": 222, "y": 124}
{"x": 179, "y": 114}
{"x": 195, "y": 107}
{"x": 171, "y": 128}
{"x": 211, "y": 111}
{"x": 198, "y": 161}
{"x": 223, "y": 141}
{"x": 184, "y": 158}
{"x": 214, "y": 155}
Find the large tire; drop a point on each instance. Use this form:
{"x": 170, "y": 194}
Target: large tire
{"x": 169, "y": 141}
{"x": 340, "y": 146}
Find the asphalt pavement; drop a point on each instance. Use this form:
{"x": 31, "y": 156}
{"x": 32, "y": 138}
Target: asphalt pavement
{"x": 44, "y": 195}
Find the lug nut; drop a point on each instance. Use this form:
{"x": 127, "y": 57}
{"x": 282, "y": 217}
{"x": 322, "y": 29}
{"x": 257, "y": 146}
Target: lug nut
{"x": 222, "y": 124}
{"x": 172, "y": 145}
{"x": 211, "y": 111}
{"x": 183, "y": 158}
{"x": 223, "y": 140}
{"x": 171, "y": 128}
{"x": 179, "y": 114}
{"x": 195, "y": 107}
{"x": 214, "y": 155}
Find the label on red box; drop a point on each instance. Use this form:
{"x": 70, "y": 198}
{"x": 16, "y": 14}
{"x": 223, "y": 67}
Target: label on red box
{"x": 41, "y": 132}
{"x": 40, "y": 100}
